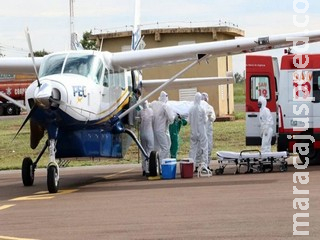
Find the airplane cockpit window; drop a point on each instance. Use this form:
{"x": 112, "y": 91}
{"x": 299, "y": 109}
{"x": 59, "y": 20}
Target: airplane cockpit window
{"x": 52, "y": 65}
{"x": 83, "y": 64}
{"x": 86, "y": 65}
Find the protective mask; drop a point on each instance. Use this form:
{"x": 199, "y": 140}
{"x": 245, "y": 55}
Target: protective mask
{"x": 259, "y": 104}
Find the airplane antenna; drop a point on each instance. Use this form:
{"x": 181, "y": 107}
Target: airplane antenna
{"x": 71, "y": 22}
{"x": 32, "y": 55}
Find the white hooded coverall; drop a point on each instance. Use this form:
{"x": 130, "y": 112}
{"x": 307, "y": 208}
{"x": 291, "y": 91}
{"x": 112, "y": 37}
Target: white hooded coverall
{"x": 209, "y": 127}
{"x": 163, "y": 117}
{"x": 198, "y": 137}
{"x": 146, "y": 132}
{"x": 266, "y": 125}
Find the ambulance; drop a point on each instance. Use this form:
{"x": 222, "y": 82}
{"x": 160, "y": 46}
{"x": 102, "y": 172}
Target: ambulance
{"x": 293, "y": 97}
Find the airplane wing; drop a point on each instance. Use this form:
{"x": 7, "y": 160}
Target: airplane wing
{"x": 19, "y": 65}
{"x": 169, "y": 55}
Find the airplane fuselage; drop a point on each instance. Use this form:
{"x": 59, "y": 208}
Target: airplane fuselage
{"x": 78, "y": 95}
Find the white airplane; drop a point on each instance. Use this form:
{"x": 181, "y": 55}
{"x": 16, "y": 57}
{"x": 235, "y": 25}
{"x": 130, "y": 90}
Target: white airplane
{"x": 81, "y": 98}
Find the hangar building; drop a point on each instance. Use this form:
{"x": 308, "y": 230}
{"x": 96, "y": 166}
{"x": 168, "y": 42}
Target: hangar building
{"x": 220, "y": 96}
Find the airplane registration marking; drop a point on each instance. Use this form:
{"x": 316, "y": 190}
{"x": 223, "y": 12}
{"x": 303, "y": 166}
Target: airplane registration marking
{"x": 43, "y": 195}
{"x": 118, "y": 173}
{"x": 14, "y": 238}
{"x": 3, "y": 207}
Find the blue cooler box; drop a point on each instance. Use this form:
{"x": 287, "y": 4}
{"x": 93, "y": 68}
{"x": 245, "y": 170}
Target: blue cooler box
{"x": 169, "y": 168}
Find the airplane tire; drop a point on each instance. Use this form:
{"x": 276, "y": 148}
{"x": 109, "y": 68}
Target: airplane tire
{"x": 27, "y": 172}
{"x": 153, "y": 161}
{"x": 52, "y": 179}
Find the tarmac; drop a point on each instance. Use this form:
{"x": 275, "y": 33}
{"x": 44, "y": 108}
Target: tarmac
{"x": 116, "y": 202}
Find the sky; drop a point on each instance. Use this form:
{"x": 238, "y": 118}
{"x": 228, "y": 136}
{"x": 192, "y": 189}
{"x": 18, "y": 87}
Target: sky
{"x": 48, "y": 21}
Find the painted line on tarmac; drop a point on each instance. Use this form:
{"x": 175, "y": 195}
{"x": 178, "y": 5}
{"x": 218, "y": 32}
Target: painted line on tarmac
{"x": 43, "y": 195}
{"x": 14, "y": 238}
{"x": 3, "y": 207}
{"x": 118, "y": 173}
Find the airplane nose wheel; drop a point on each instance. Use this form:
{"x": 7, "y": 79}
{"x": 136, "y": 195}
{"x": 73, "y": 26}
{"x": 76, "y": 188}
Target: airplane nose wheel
{"x": 52, "y": 179}
{"x": 27, "y": 172}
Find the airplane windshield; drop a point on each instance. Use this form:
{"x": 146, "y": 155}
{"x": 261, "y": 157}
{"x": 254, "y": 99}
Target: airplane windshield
{"x": 87, "y": 65}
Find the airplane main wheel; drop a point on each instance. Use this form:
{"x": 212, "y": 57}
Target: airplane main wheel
{"x": 52, "y": 179}
{"x": 153, "y": 162}
{"x": 27, "y": 172}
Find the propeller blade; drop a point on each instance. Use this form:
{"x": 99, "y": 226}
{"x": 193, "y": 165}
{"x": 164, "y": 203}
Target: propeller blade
{"x": 32, "y": 55}
{"x": 25, "y": 121}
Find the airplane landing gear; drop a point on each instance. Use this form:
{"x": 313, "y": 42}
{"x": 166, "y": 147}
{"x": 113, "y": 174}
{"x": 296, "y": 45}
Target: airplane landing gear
{"x": 153, "y": 163}
{"x": 52, "y": 169}
{"x": 52, "y": 179}
{"x": 27, "y": 172}
{"x": 28, "y": 168}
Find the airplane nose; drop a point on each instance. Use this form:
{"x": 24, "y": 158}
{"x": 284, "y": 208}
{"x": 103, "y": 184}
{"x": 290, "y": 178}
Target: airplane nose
{"x": 43, "y": 95}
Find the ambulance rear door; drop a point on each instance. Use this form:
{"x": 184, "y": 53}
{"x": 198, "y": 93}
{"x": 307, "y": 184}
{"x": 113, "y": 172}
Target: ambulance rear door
{"x": 262, "y": 73}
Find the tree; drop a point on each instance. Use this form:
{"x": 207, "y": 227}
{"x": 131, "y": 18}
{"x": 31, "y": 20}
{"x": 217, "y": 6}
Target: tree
{"x": 40, "y": 53}
{"x": 238, "y": 78}
{"x": 87, "y": 43}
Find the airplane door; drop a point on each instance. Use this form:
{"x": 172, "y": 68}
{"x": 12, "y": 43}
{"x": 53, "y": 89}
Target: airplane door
{"x": 105, "y": 98}
{"x": 260, "y": 81}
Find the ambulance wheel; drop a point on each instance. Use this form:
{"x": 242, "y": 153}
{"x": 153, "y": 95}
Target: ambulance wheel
{"x": 312, "y": 154}
{"x": 153, "y": 162}
{"x": 27, "y": 172}
{"x": 314, "y": 157}
{"x": 52, "y": 179}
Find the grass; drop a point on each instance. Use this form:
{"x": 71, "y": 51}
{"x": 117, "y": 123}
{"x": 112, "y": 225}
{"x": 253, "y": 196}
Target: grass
{"x": 239, "y": 93}
{"x": 228, "y": 136}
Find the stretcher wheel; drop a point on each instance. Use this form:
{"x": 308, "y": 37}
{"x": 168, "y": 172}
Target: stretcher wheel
{"x": 219, "y": 171}
{"x": 284, "y": 167}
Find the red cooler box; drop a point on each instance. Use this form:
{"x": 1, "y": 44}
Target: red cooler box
{"x": 186, "y": 168}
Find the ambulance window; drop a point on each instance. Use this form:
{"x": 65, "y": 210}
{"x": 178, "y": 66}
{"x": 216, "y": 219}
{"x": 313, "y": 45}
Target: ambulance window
{"x": 260, "y": 86}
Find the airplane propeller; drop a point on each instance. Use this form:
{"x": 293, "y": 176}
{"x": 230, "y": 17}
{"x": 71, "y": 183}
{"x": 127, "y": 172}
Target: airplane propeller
{"x": 42, "y": 93}
{"x": 32, "y": 55}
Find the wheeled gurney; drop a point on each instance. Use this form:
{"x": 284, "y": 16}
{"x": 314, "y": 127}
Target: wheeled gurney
{"x": 253, "y": 160}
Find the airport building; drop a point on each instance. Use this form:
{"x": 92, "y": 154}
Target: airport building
{"x": 220, "y": 96}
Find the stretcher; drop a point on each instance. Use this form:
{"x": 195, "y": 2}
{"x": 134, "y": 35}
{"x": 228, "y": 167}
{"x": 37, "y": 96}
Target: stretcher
{"x": 253, "y": 160}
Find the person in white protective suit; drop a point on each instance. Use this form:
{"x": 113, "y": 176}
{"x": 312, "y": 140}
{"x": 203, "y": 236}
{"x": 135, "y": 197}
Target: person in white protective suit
{"x": 146, "y": 133}
{"x": 266, "y": 125}
{"x": 163, "y": 117}
{"x": 197, "y": 119}
{"x": 211, "y": 115}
